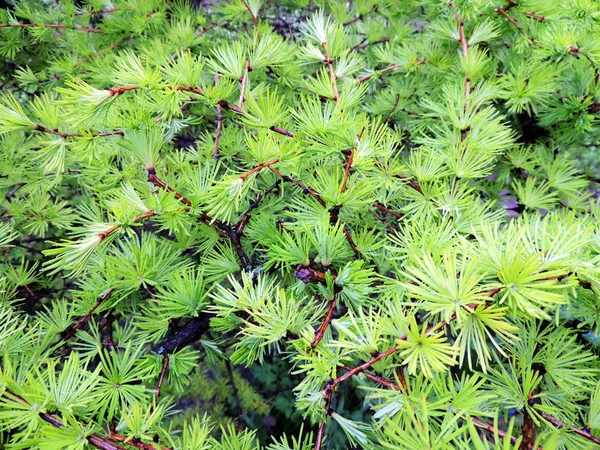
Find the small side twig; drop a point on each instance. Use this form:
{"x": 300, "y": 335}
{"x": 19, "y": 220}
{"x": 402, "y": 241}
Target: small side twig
{"x": 360, "y": 16}
{"x": 321, "y": 430}
{"x": 329, "y": 62}
{"x": 347, "y": 171}
{"x": 70, "y": 332}
{"x": 236, "y": 394}
{"x": 99, "y": 52}
{"x": 465, "y": 49}
{"x": 508, "y": 17}
{"x": 244, "y": 81}
{"x": 393, "y": 110}
{"x": 161, "y": 378}
{"x": 64, "y": 135}
{"x": 396, "y": 214}
{"x": 367, "y": 44}
{"x": 97, "y": 11}
{"x": 253, "y": 205}
{"x": 302, "y": 186}
{"x": 379, "y": 72}
{"x": 152, "y": 178}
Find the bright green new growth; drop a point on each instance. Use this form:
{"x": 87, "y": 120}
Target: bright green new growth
{"x": 395, "y": 201}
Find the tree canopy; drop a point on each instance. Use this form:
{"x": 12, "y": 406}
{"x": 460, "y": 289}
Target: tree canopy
{"x": 390, "y": 206}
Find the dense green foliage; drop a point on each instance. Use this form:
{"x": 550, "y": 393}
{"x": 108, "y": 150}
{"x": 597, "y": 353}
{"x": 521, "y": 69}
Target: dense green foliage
{"x": 378, "y": 220}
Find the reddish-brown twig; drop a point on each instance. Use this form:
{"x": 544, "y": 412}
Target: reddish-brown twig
{"x": 535, "y": 16}
{"x": 359, "y": 369}
{"x": 93, "y": 439}
{"x": 326, "y": 321}
{"x": 387, "y": 118}
{"x": 379, "y": 356}
{"x": 254, "y": 18}
{"x": 465, "y": 49}
{"x": 258, "y": 168}
{"x": 586, "y": 434}
{"x": 119, "y": 90}
{"x": 396, "y": 214}
{"x": 514, "y": 22}
{"x": 282, "y": 131}
{"x": 321, "y": 430}
{"x": 412, "y": 183}
{"x": 152, "y": 178}
{"x": 351, "y": 242}
{"x": 480, "y": 423}
{"x": 219, "y": 125}
{"x": 347, "y": 171}
{"x": 491, "y": 430}
{"x": 379, "y": 72}
{"x": 379, "y": 380}
{"x": 223, "y": 228}
{"x": 329, "y": 62}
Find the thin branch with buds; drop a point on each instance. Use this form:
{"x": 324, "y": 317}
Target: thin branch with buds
{"x": 254, "y": 18}
{"x": 302, "y": 186}
{"x": 65, "y": 135}
{"x": 360, "y": 16}
{"x": 70, "y": 332}
{"x": 99, "y": 52}
{"x": 104, "y": 234}
{"x": 99, "y": 11}
{"x": 368, "y": 44}
{"x": 379, "y": 72}
{"x": 56, "y": 26}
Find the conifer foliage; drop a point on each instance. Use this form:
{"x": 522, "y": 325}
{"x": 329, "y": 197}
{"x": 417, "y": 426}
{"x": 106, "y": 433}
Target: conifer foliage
{"x": 396, "y": 198}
